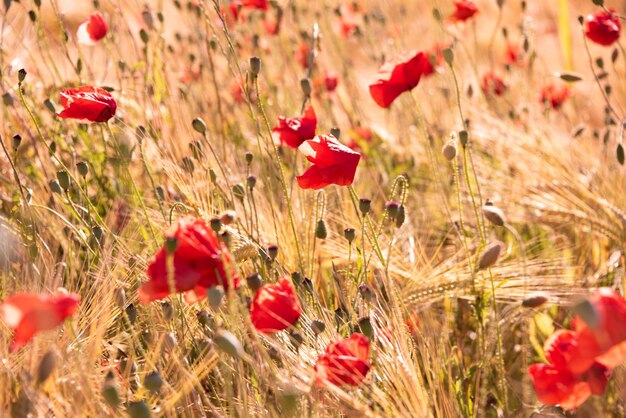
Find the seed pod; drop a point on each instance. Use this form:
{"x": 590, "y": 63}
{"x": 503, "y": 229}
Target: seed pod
{"x": 153, "y": 382}
{"x": 239, "y": 191}
{"x": 349, "y": 234}
{"x": 251, "y": 182}
{"x": 365, "y": 326}
{"x": 400, "y": 217}
{"x": 365, "y": 205}
{"x": 188, "y": 165}
{"x": 139, "y": 409}
{"x": 366, "y": 292}
{"x": 448, "y": 55}
{"x": 215, "y": 295}
{"x": 167, "y": 309}
{"x": 254, "y": 282}
{"x": 336, "y": 132}
{"x": 296, "y": 339}
{"x": 110, "y": 393}
{"x": 272, "y": 252}
{"x": 255, "y": 66}
{"x": 463, "y": 138}
{"x": 131, "y": 312}
{"x": 199, "y": 125}
{"x": 63, "y": 179}
{"x": 535, "y": 299}
{"x": 305, "y": 85}
{"x": 317, "y": 326}
{"x": 212, "y": 175}
{"x": 21, "y": 75}
{"x": 391, "y": 207}
{"x": 228, "y": 343}
{"x": 228, "y": 217}
{"x": 82, "y": 168}
{"x": 16, "y": 141}
{"x": 320, "y": 230}
{"x": 249, "y": 157}
{"x": 46, "y": 365}
{"x": 494, "y": 215}
{"x": 216, "y": 224}
{"x": 296, "y": 277}
{"x": 449, "y": 150}
{"x": 490, "y": 255}
{"x": 171, "y": 244}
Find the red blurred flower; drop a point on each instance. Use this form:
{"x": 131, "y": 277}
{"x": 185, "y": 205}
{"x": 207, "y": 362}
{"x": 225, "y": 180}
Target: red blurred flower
{"x": 271, "y": 24}
{"x": 344, "y": 362}
{"x": 603, "y": 27}
{"x": 347, "y": 25}
{"x": 199, "y": 262}
{"x": 237, "y": 92}
{"x": 493, "y": 84}
{"x": 357, "y": 136}
{"x": 463, "y": 10}
{"x": 435, "y": 59}
{"x": 303, "y": 53}
{"x": 554, "y": 95}
{"x": 92, "y": 30}
{"x": 275, "y": 307}
{"x": 294, "y": 131}
{"x": 29, "y": 313}
{"x": 87, "y": 103}
{"x": 328, "y": 81}
{"x": 556, "y": 383}
{"x": 604, "y": 341}
{"x": 231, "y": 13}
{"x": 333, "y": 163}
{"x": 256, "y": 4}
{"x": 398, "y": 76}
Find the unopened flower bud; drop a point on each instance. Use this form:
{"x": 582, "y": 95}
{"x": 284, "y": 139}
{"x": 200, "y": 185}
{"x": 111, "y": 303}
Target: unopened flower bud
{"x": 64, "y": 179}
{"x": 254, "y": 282}
{"x": 82, "y": 168}
{"x": 215, "y": 296}
{"x": 199, "y": 125}
{"x": 349, "y": 234}
{"x": 317, "y": 326}
{"x": 255, "y": 66}
{"x": 251, "y": 182}
{"x": 17, "y": 140}
{"x": 336, "y": 132}
{"x": 272, "y": 252}
{"x": 365, "y": 205}
{"x": 228, "y": 217}
{"x": 494, "y": 215}
{"x": 228, "y": 343}
{"x": 320, "y": 230}
{"x": 21, "y": 75}
{"x": 167, "y": 310}
{"x": 216, "y": 224}
{"x": 171, "y": 244}
{"x": 392, "y": 208}
{"x": 249, "y": 157}
{"x": 305, "y": 85}
{"x": 490, "y": 255}
{"x": 365, "y": 326}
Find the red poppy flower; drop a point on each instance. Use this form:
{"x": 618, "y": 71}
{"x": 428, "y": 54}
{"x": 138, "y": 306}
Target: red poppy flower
{"x": 29, "y": 313}
{"x": 602, "y": 27}
{"x": 463, "y": 10}
{"x": 275, "y": 307}
{"x": 435, "y": 59}
{"x": 87, "y": 103}
{"x": 303, "y": 53}
{"x": 200, "y": 262}
{"x": 604, "y": 341}
{"x": 256, "y": 4}
{"x": 294, "y": 131}
{"x": 327, "y": 81}
{"x": 560, "y": 382}
{"x": 333, "y": 163}
{"x": 398, "y": 76}
{"x": 231, "y": 13}
{"x": 271, "y": 25}
{"x": 554, "y": 95}
{"x": 92, "y": 30}
{"x": 493, "y": 84}
{"x": 344, "y": 362}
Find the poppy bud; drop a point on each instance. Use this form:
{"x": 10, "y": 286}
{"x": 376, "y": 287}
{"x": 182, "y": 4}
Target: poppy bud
{"x": 212, "y": 175}
{"x": 620, "y": 154}
{"x": 227, "y": 238}
{"x": 120, "y": 297}
{"x": 535, "y": 300}
{"x": 17, "y": 140}
{"x": 437, "y": 15}
{"x": 249, "y": 157}
{"x": 296, "y": 277}
{"x": 153, "y": 382}
{"x": 317, "y": 326}
{"x": 251, "y": 181}
{"x": 320, "y": 230}
{"x": 272, "y": 252}
{"x": 228, "y": 343}
{"x": 64, "y": 179}
{"x": 131, "y": 312}
{"x": 296, "y": 339}
{"x": 46, "y": 365}
{"x": 228, "y": 217}
{"x": 216, "y": 224}
{"x": 110, "y": 394}
{"x": 448, "y": 56}
{"x": 598, "y": 2}
{"x": 255, "y": 66}
{"x": 366, "y": 292}
{"x": 400, "y": 217}
{"x": 147, "y": 337}
{"x": 449, "y": 150}
{"x": 336, "y": 132}
{"x": 254, "y": 282}
{"x": 365, "y": 205}
{"x": 188, "y": 165}
{"x": 7, "y": 99}
{"x": 83, "y": 168}
{"x": 199, "y": 125}
{"x": 138, "y": 409}
{"x": 494, "y": 215}
{"x": 305, "y": 85}
{"x": 490, "y": 255}
{"x": 365, "y": 327}
{"x": 349, "y": 234}
{"x": 167, "y": 310}
{"x": 196, "y": 150}
{"x": 215, "y": 295}
{"x": 463, "y": 138}
{"x": 144, "y": 36}
{"x": 204, "y": 318}
{"x": 391, "y": 207}
{"x": 171, "y": 244}
{"x": 21, "y": 75}
{"x": 239, "y": 191}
